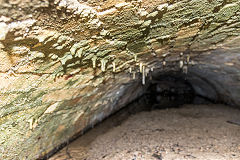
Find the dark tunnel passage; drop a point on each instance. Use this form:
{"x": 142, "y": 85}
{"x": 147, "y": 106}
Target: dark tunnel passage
{"x": 180, "y": 112}
{"x": 176, "y": 115}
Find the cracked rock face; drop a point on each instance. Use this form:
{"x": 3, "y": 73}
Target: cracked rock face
{"x": 67, "y": 64}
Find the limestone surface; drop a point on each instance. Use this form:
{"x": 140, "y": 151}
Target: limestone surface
{"x": 67, "y": 64}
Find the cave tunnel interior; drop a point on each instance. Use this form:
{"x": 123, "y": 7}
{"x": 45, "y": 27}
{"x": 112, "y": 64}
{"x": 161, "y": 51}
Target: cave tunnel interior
{"x": 120, "y": 79}
{"x": 167, "y": 92}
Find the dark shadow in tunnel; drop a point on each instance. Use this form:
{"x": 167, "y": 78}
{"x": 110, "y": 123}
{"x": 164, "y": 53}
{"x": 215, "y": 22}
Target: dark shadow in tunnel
{"x": 165, "y": 90}
{"x": 172, "y": 89}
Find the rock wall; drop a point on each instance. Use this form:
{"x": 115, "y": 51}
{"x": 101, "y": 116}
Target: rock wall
{"x": 64, "y": 64}
{"x": 217, "y": 74}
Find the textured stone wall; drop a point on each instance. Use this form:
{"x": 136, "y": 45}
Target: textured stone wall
{"x": 217, "y": 74}
{"x": 64, "y": 64}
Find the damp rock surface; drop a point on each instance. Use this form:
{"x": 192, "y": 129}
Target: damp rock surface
{"x": 189, "y": 132}
{"x": 65, "y": 65}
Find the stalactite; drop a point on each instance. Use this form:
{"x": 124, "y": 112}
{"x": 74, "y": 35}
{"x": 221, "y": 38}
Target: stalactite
{"x": 130, "y": 70}
{"x": 164, "y": 59}
{"x": 181, "y": 63}
{"x": 30, "y": 123}
{"x": 185, "y": 69}
{"x": 134, "y": 75}
{"x": 181, "y": 54}
{"x": 146, "y": 71}
{"x": 143, "y": 75}
{"x": 181, "y": 60}
{"x": 114, "y": 66}
{"x": 103, "y": 65}
{"x": 79, "y": 53}
{"x": 140, "y": 67}
{"x": 188, "y": 59}
{"x": 94, "y": 60}
{"x": 135, "y": 57}
{"x": 164, "y": 62}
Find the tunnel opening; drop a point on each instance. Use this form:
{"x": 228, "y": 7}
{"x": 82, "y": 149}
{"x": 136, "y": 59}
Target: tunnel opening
{"x": 172, "y": 100}
{"x": 168, "y": 90}
{"x": 172, "y": 90}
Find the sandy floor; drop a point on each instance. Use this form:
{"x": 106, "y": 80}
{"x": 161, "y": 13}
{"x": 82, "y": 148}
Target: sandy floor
{"x": 198, "y": 132}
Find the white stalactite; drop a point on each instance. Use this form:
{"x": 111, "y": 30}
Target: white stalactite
{"x": 103, "y": 65}
{"x": 94, "y": 60}
{"x": 181, "y": 63}
{"x": 140, "y": 67}
{"x": 134, "y": 75}
{"x": 185, "y": 69}
{"x": 114, "y": 66}
{"x": 143, "y": 75}
{"x": 130, "y": 70}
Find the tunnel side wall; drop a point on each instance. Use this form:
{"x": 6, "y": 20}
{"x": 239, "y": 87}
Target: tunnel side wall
{"x": 217, "y": 76}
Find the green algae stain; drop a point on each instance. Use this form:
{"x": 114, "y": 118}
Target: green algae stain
{"x": 227, "y": 12}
